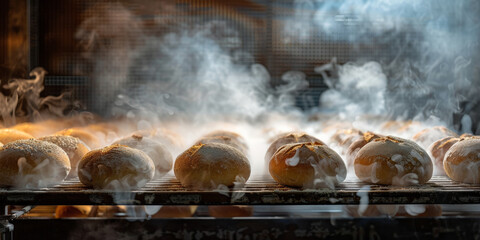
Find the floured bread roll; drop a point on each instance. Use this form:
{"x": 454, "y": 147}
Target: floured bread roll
{"x": 345, "y": 137}
{"x": 74, "y": 148}
{"x": 307, "y": 165}
{"x": 207, "y": 166}
{"x": 9, "y": 135}
{"x": 289, "y": 138}
{"x": 427, "y": 136}
{"x": 91, "y": 140}
{"x": 437, "y": 152}
{"x": 173, "y": 211}
{"x": 462, "y": 161}
{"x": 32, "y": 163}
{"x": 116, "y": 167}
{"x": 79, "y": 211}
{"x": 230, "y": 211}
{"x": 168, "y": 138}
{"x": 357, "y": 145}
{"x": 393, "y": 161}
{"x": 229, "y": 138}
{"x": 159, "y": 154}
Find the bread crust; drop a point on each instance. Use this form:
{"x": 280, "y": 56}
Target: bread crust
{"x": 210, "y": 165}
{"x": 116, "y": 167}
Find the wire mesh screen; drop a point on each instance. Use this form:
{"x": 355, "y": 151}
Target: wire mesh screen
{"x": 80, "y": 42}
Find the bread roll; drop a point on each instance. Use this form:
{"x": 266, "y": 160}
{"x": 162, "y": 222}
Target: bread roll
{"x": 159, "y": 154}
{"x": 288, "y": 138}
{"x": 462, "y": 161}
{"x": 9, "y": 135}
{"x": 168, "y": 138}
{"x": 308, "y": 165}
{"x": 230, "y": 138}
{"x": 437, "y": 151}
{"x": 72, "y": 211}
{"x": 345, "y": 137}
{"x": 357, "y": 145}
{"x": 230, "y": 211}
{"x": 116, "y": 167}
{"x": 73, "y": 146}
{"x": 34, "y": 129}
{"x": 207, "y": 166}
{"x": 88, "y": 138}
{"x": 393, "y": 161}
{"x": 427, "y": 136}
{"x": 32, "y": 163}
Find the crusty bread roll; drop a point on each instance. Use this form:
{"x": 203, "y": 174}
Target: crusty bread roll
{"x": 427, "y": 136}
{"x": 462, "y": 161}
{"x": 168, "y": 138}
{"x": 357, "y": 145}
{"x": 88, "y": 138}
{"x": 230, "y": 211}
{"x": 437, "y": 151}
{"x": 159, "y": 154}
{"x": 32, "y": 163}
{"x": 73, "y": 146}
{"x": 345, "y": 137}
{"x": 79, "y": 211}
{"x": 9, "y": 135}
{"x": 207, "y": 166}
{"x": 393, "y": 161}
{"x": 35, "y": 129}
{"x": 288, "y": 138}
{"x": 116, "y": 167}
{"x": 308, "y": 165}
{"x": 230, "y": 138}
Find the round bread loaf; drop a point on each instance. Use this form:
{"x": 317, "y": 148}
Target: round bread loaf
{"x": 174, "y": 211}
{"x": 289, "y": 138}
{"x": 91, "y": 140}
{"x": 230, "y": 211}
{"x": 437, "y": 152}
{"x": 159, "y": 154}
{"x": 9, "y": 135}
{"x": 229, "y": 138}
{"x": 462, "y": 161}
{"x": 35, "y": 129}
{"x": 32, "y": 163}
{"x": 72, "y": 211}
{"x": 116, "y": 167}
{"x": 357, "y": 145}
{"x": 73, "y": 146}
{"x": 308, "y": 165}
{"x": 427, "y": 136}
{"x": 393, "y": 161}
{"x": 208, "y": 166}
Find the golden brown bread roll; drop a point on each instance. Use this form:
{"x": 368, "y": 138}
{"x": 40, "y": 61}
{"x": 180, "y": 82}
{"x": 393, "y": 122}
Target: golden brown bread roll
{"x": 35, "y": 129}
{"x": 91, "y": 140}
{"x": 230, "y": 138}
{"x": 230, "y": 211}
{"x": 427, "y": 136}
{"x": 308, "y": 165}
{"x": 345, "y": 137}
{"x": 32, "y": 163}
{"x": 393, "y": 161}
{"x": 168, "y": 138}
{"x": 437, "y": 152}
{"x": 159, "y": 154}
{"x": 358, "y": 144}
{"x": 288, "y": 138}
{"x": 9, "y": 135}
{"x": 462, "y": 161}
{"x": 116, "y": 167}
{"x": 207, "y": 166}
{"x": 73, "y": 146}
{"x": 72, "y": 211}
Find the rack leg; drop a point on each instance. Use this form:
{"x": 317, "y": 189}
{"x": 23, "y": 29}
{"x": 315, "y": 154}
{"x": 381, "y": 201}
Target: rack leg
{"x": 6, "y": 228}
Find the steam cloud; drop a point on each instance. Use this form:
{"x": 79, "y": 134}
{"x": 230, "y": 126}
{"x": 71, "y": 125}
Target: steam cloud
{"x": 432, "y": 73}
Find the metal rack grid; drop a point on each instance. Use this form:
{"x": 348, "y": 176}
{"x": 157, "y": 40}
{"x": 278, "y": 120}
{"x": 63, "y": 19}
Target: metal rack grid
{"x": 257, "y": 191}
